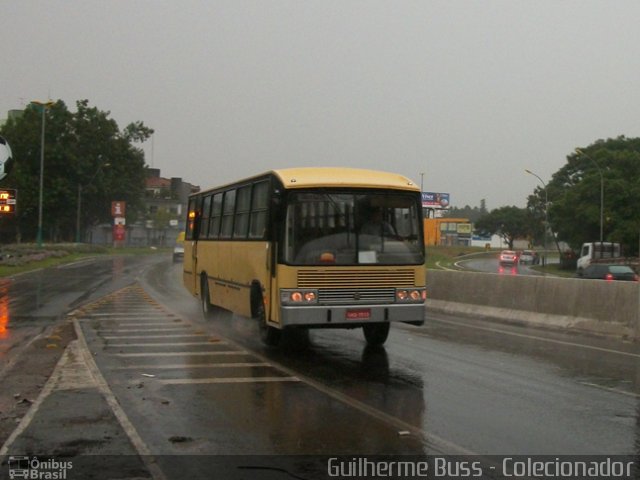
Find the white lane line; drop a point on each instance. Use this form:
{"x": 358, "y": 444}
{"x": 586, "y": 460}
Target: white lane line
{"x": 444, "y": 268}
{"x": 138, "y": 330}
{"x": 151, "y": 315}
{"x": 154, "y": 324}
{"x": 135, "y": 438}
{"x": 609, "y": 389}
{"x": 168, "y": 335}
{"x": 25, "y": 421}
{"x": 136, "y": 318}
{"x": 218, "y": 380}
{"x": 434, "y": 441}
{"x": 176, "y": 344}
{"x": 184, "y": 366}
{"x": 534, "y": 337}
{"x": 180, "y": 354}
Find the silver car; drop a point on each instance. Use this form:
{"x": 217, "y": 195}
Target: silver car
{"x": 529, "y": 257}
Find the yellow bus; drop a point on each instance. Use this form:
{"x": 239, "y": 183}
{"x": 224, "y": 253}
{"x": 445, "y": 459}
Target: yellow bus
{"x": 310, "y": 248}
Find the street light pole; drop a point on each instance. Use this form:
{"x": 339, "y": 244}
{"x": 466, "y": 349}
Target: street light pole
{"x": 579, "y": 151}
{"x": 44, "y": 106}
{"x": 546, "y": 215}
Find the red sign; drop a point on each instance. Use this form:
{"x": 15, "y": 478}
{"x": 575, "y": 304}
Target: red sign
{"x": 117, "y": 208}
{"x": 360, "y": 314}
{"x": 118, "y": 233}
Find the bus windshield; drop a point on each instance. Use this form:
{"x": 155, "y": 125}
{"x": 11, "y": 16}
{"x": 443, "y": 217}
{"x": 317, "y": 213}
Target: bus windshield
{"x": 324, "y": 227}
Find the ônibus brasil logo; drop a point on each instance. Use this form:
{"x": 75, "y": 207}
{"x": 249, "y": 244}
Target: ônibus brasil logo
{"x": 32, "y": 468}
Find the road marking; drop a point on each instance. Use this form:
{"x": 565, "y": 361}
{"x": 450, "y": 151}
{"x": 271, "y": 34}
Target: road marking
{"x": 134, "y": 330}
{"x": 219, "y": 380}
{"x": 433, "y": 441}
{"x": 610, "y": 389}
{"x": 49, "y": 387}
{"x": 445, "y": 268}
{"x": 108, "y": 316}
{"x": 182, "y": 366}
{"x": 122, "y": 337}
{"x": 534, "y": 337}
{"x": 175, "y": 344}
{"x": 153, "y": 324}
{"x": 135, "y": 438}
{"x": 180, "y": 354}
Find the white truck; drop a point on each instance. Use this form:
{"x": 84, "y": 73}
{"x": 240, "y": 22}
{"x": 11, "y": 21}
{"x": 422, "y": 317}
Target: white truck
{"x": 602, "y": 252}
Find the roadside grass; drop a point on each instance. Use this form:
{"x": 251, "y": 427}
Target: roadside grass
{"x": 21, "y": 258}
{"x": 554, "y": 269}
{"x": 444, "y": 257}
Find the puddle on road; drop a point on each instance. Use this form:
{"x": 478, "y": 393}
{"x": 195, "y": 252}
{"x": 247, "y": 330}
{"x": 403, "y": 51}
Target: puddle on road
{"x": 4, "y": 309}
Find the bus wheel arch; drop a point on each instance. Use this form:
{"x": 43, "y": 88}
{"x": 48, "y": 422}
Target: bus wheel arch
{"x": 205, "y": 297}
{"x": 256, "y": 298}
{"x": 270, "y": 335}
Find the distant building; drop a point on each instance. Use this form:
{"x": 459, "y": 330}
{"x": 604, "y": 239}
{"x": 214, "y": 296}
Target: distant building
{"x": 165, "y": 213}
{"x": 168, "y": 195}
{"x": 11, "y": 114}
{"x": 447, "y": 231}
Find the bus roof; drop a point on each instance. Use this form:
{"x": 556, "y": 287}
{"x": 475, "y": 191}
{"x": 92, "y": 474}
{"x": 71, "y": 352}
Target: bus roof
{"x": 319, "y": 177}
{"x": 305, "y": 177}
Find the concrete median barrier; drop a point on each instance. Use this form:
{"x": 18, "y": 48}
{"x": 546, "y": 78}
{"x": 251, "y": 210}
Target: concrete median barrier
{"x": 593, "y": 306}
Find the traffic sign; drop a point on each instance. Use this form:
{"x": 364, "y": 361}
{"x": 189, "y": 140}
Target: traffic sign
{"x": 118, "y": 208}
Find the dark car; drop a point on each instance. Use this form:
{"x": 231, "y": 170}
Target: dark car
{"x": 610, "y": 272}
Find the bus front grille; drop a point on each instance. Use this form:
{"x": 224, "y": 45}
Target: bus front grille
{"x": 349, "y": 296}
{"x": 346, "y": 278}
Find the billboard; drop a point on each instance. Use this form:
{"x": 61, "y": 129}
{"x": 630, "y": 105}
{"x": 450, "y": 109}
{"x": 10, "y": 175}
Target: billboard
{"x": 437, "y": 200}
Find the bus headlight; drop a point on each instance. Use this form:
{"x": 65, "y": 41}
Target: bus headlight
{"x": 411, "y": 295}
{"x": 298, "y": 297}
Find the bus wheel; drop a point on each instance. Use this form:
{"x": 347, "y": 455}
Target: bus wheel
{"x": 269, "y": 335}
{"x": 376, "y": 333}
{"x": 207, "y": 308}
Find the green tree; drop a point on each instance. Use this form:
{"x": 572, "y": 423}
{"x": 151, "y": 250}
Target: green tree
{"x": 87, "y": 157}
{"x": 538, "y": 213}
{"x": 574, "y": 194}
{"x": 471, "y": 213}
{"x": 508, "y": 222}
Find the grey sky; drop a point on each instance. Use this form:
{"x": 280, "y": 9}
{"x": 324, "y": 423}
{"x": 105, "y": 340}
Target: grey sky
{"x": 469, "y": 92}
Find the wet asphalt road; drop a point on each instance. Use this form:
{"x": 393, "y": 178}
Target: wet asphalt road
{"x": 490, "y": 264}
{"x": 157, "y": 379}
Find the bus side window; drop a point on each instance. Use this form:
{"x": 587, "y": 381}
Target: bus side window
{"x": 216, "y": 216}
{"x": 243, "y": 206}
{"x": 228, "y": 209}
{"x": 259, "y": 210}
{"x": 204, "y": 218}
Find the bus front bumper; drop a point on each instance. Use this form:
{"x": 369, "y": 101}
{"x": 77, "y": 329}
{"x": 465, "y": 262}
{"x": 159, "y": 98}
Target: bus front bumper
{"x": 343, "y": 316}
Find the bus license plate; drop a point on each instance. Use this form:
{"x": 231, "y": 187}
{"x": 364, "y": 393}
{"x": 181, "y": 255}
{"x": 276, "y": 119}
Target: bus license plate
{"x": 360, "y": 314}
